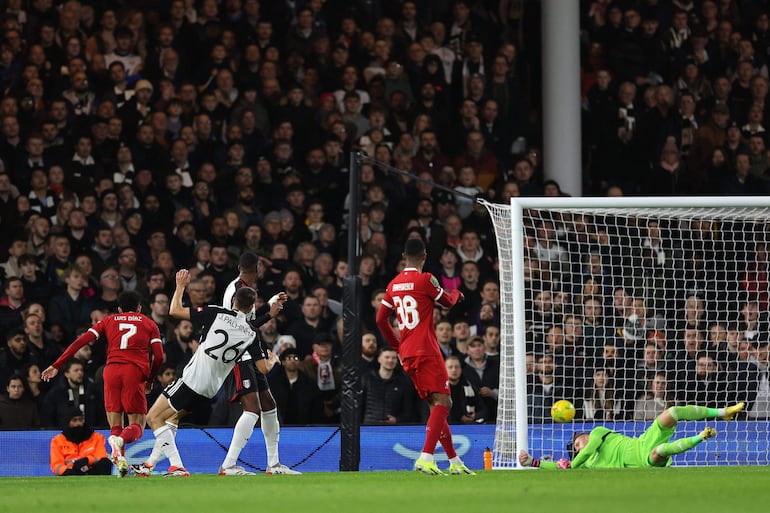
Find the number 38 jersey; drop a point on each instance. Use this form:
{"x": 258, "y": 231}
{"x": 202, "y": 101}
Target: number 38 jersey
{"x": 412, "y": 295}
{"x": 226, "y": 336}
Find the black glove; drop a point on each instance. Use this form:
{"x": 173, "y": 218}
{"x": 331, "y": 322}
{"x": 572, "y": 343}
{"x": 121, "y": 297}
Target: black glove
{"x": 81, "y": 466}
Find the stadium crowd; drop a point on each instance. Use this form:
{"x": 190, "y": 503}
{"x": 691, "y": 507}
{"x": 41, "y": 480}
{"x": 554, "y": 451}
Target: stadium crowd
{"x": 141, "y": 137}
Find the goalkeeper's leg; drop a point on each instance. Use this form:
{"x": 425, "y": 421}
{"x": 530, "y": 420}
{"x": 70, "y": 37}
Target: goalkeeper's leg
{"x": 661, "y": 453}
{"x": 670, "y": 417}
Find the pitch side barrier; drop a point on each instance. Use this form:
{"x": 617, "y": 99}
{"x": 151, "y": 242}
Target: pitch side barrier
{"x": 382, "y": 447}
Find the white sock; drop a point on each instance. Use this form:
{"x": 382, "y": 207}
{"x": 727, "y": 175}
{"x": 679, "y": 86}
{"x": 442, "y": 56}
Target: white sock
{"x": 241, "y": 434}
{"x": 165, "y": 439}
{"x": 425, "y": 456}
{"x": 157, "y": 454}
{"x": 456, "y": 460}
{"x": 271, "y": 430}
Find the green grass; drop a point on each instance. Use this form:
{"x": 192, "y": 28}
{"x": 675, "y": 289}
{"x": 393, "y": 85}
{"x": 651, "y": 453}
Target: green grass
{"x": 681, "y": 490}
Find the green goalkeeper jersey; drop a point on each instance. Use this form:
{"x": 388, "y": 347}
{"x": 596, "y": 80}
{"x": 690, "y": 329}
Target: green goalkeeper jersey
{"x": 608, "y": 449}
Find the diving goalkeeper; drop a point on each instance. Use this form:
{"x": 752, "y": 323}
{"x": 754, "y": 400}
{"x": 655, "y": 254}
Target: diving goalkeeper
{"x": 604, "y": 448}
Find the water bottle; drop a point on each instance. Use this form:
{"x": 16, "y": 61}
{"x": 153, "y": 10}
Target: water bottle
{"x": 487, "y": 459}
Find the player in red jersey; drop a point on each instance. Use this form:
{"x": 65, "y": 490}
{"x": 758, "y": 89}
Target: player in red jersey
{"x": 131, "y": 337}
{"x": 411, "y": 295}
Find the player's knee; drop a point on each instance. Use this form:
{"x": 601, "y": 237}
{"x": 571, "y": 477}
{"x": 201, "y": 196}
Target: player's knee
{"x": 443, "y": 399}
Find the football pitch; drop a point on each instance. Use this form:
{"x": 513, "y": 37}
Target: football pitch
{"x": 681, "y": 490}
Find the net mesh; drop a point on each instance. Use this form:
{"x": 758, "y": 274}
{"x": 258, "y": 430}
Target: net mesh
{"x": 629, "y": 311}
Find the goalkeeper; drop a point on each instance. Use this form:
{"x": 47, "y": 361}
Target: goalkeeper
{"x": 604, "y": 448}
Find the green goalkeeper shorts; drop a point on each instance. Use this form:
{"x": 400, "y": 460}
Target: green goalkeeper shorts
{"x": 652, "y": 437}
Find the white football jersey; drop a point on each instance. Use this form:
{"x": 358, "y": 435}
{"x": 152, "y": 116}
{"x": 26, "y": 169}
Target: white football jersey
{"x": 227, "y": 302}
{"x": 226, "y": 336}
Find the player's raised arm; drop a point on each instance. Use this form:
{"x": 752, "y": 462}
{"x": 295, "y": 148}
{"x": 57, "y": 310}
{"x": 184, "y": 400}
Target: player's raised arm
{"x": 176, "y": 309}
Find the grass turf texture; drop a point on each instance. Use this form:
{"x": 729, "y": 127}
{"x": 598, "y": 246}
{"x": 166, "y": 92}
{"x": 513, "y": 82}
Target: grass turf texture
{"x": 681, "y": 490}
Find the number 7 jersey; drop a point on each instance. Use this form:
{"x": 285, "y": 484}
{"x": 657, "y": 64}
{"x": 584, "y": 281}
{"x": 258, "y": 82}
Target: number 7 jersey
{"x": 411, "y": 295}
{"x": 226, "y": 336}
{"x": 131, "y": 338}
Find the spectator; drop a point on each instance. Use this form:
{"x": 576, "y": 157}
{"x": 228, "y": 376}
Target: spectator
{"x": 467, "y": 406}
{"x": 17, "y": 410}
{"x": 654, "y": 400}
{"x": 11, "y": 304}
{"x": 324, "y": 370}
{"x": 70, "y": 308}
{"x": 296, "y": 395}
{"x": 34, "y": 387}
{"x": 545, "y": 391}
{"x": 41, "y": 348}
{"x": 15, "y": 355}
{"x": 599, "y": 402}
{"x": 483, "y": 373}
{"x": 388, "y": 397}
{"x": 78, "y": 450}
{"x": 305, "y": 329}
{"x": 68, "y": 392}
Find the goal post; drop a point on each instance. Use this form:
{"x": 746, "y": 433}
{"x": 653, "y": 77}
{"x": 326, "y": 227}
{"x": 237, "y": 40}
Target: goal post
{"x": 626, "y": 306}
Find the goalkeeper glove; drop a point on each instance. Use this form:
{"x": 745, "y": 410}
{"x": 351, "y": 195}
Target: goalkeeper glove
{"x": 527, "y": 460}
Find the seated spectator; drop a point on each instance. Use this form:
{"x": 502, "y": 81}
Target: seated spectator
{"x": 17, "y": 411}
{"x": 69, "y": 308}
{"x": 296, "y": 395}
{"x": 545, "y": 390}
{"x": 653, "y": 401}
{"x": 15, "y": 355}
{"x": 599, "y": 401}
{"x": 483, "y": 373}
{"x": 78, "y": 450}
{"x": 388, "y": 396}
{"x": 324, "y": 369}
{"x": 68, "y": 392}
{"x": 166, "y": 376}
{"x": 468, "y": 407}
{"x": 34, "y": 387}
{"x": 41, "y": 347}
{"x": 11, "y": 304}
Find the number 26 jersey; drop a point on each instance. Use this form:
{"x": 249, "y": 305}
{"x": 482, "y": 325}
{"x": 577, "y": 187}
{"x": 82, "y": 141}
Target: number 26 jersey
{"x": 411, "y": 295}
{"x": 226, "y": 336}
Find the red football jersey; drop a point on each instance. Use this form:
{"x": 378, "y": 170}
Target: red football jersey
{"x": 129, "y": 336}
{"x": 411, "y": 296}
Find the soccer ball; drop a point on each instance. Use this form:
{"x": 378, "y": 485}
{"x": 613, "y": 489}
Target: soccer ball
{"x": 562, "y": 411}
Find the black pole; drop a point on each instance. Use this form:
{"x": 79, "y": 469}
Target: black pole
{"x": 350, "y": 405}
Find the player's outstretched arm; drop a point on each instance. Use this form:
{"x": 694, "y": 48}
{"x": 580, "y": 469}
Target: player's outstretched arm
{"x": 526, "y": 460}
{"x": 176, "y": 309}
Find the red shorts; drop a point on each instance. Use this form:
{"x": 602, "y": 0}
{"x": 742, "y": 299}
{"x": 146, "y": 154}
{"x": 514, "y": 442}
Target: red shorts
{"x": 428, "y": 374}
{"x": 124, "y": 388}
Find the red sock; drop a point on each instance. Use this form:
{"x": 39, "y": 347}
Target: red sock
{"x": 446, "y": 441}
{"x": 436, "y": 422}
{"x": 132, "y": 433}
{"x": 116, "y": 430}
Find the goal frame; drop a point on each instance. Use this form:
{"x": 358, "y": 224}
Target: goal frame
{"x": 511, "y": 258}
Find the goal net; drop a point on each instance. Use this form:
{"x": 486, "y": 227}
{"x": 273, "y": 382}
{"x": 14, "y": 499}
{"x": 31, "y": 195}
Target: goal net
{"x": 626, "y": 306}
